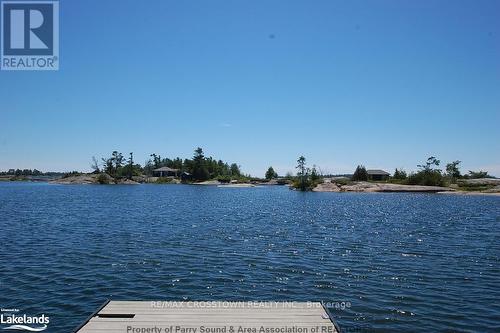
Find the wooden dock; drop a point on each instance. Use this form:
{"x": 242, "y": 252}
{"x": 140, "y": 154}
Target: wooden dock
{"x": 209, "y": 317}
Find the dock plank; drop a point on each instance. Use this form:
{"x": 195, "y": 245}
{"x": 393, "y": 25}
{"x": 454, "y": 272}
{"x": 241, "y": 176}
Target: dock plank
{"x": 171, "y": 317}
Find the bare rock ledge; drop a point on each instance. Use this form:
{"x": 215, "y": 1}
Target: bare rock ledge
{"x": 378, "y": 187}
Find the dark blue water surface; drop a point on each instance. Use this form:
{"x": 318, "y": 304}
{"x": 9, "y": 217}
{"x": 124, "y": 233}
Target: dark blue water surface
{"x": 401, "y": 262}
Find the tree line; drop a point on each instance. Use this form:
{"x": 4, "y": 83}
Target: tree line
{"x": 28, "y": 172}
{"x": 199, "y": 167}
{"x": 203, "y": 168}
{"x": 428, "y": 173}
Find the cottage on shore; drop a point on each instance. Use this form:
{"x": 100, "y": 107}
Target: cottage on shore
{"x": 165, "y": 172}
{"x": 377, "y": 175}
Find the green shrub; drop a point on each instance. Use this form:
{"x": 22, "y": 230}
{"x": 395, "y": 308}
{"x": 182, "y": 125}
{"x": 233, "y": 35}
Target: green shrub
{"x": 102, "y": 179}
{"x": 224, "y": 179}
{"x": 426, "y": 178}
{"x": 164, "y": 180}
{"x": 305, "y": 184}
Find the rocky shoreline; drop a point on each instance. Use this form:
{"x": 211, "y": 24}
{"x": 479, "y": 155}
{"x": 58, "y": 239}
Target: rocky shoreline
{"x": 327, "y": 186}
{"x": 466, "y": 186}
{"x": 92, "y": 179}
{"x": 377, "y": 187}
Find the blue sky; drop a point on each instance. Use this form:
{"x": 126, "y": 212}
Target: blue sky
{"x": 380, "y": 83}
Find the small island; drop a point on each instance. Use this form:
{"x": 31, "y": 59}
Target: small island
{"x": 202, "y": 170}
{"x": 428, "y": 179}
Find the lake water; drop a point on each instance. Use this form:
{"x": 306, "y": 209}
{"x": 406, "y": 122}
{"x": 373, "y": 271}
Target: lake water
{"x": 399, "y": 262}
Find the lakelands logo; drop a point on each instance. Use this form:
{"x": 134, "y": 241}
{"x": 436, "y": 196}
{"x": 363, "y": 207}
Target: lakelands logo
{"x": 30, "y": 35}
{"x": 10, "y": 319}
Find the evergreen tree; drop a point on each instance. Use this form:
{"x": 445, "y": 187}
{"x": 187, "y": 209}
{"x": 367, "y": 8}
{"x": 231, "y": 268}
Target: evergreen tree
{"x": 130, "y": 165}
{"x": 360, "y": 174}
{"x": 314, "y": 174}
{"x": 200, "y": 171}
{"x": 270, "y": 173}
{"x": 302, "y": 173}
{"x": 453, "y": 171}
{"x": 399, "y": 174}
{"x": 235, "y": 170}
